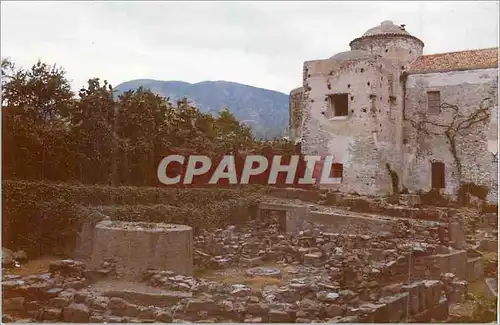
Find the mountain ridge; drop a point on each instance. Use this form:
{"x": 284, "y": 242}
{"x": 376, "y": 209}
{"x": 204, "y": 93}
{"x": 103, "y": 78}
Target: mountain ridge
{"x": 264, "y": 110}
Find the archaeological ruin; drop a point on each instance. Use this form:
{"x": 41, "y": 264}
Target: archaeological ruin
{"x": 302, "y": 256}
{"x": 397, "y": 120}
{"x": 390, "y": 242}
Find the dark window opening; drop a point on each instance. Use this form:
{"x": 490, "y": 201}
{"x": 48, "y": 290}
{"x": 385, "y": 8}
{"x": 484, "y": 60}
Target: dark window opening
{"x": 437, "y": 175}
{"x": 339, "y": 104}
{"x": 336, "y": 171}
{"x": 433, "y": 102}
{"x": 362, "y": 70}
{"x": 368, "y": 83}
{"x": 352, "y": 97}
{"x": 348, "y": 85}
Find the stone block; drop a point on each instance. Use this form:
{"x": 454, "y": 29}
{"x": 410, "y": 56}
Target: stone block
{"x": 160, "y": 298}
{"x": 251, "y": 262}
{"x": 291, "y": 214}
{"x": 415, "y": 296}
{"x": 475, "y": 269}
{"x": 432, "y": 293}
{"x": 396, "y": 306}
{"x": 313, "y": 259}
{"x": 491, "y": 285}
{"x": 454, "y": 262}
{"x": 457, "y": 236}
{"x": 440, "y": 311}
{"x": 489, "y": 244}
{"x": 137, "y": 246}
{"x": 457, "y": 292}
{"x": 76, "y": 313}
{"x": 411, "y": 200}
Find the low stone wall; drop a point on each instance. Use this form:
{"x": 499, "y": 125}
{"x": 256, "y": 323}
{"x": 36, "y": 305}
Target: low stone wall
{"x": 342, "y": 221}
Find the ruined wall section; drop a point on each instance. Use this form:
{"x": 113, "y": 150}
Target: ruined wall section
{"x": 363, "y": 140}
{"x": 295, "y": 111}
{"x": 465, "y": 89}
{"x": 401, "y": 49}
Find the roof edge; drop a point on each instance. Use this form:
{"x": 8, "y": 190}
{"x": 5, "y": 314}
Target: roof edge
{"x": 387, "y": 34}
{"x": 451, "y": 70}
{"x": 461, "y": 51}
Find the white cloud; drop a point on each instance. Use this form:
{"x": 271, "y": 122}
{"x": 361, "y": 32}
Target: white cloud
{"x": 258, "y": 43}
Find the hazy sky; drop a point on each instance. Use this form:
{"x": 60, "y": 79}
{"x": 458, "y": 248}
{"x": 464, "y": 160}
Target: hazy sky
{"x": 261, "y": 44}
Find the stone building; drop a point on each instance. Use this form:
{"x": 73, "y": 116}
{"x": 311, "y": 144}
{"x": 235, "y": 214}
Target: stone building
{"x": 395, "y": 119}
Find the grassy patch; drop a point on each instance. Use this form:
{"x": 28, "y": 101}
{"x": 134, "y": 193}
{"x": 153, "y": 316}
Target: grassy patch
{"x": 490, "y": 256}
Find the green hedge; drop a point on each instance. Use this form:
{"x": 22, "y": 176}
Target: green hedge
{"x": 121, "y": 195}
{"x": 210, "y": 216}
{"x": 44, "y": 218}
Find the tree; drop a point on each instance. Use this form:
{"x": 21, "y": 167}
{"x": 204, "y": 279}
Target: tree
{"x": 143, "y": 134}
{"x": 92, "y": 123}
{"x": 230, "y": 133}
{"x": 97, "y": 138}
{"x": 459, "y": 125}
{"x": 7, "y": 71}
{"x": 34, "y": 102}
{"x": 41, "y": 94}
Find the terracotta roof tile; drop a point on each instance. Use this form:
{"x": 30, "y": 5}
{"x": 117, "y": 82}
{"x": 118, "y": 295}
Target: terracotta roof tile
{"x": 463, "y": 60}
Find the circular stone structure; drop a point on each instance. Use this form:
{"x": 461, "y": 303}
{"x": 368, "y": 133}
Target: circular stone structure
{"x": 264, "y": 272}
{"x": 136, "y": 246}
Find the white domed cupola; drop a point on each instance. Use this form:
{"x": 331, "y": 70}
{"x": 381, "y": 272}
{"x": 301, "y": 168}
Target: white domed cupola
{"x": 390, "y": 41}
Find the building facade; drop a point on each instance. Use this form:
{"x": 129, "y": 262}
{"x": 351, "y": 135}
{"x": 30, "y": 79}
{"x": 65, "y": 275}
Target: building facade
{"x": 395, "y": 119}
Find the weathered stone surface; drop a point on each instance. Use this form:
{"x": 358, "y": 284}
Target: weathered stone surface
{"x": 264, "y": 272}
{"x": 124, "y": 243}
{"x": 372, "y": 139}
{"x": 76, "y": 313}
{"x": 13, "y": 304}
{"x": 319, "y": 274}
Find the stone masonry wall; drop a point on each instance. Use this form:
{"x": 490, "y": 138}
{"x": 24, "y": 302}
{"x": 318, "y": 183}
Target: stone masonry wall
{"x": 295, "y": 114}
{"x": 365, "y": 140}
{"x": 401, "y": 49}
{"x": 465, "y": 89}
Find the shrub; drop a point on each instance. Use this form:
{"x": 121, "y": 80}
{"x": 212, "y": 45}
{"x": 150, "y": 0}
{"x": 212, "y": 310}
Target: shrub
{"x": 120, "y": 195}
{"x": 200, "y": 217}
{"x": 43, "y": 218}
{"x": 39, "y": 228}
{"x": 485, "y": 309}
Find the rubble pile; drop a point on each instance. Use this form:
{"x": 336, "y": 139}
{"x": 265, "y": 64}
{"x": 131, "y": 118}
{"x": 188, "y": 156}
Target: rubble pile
{"x": 62, "y": 294}
{"x": 320, "y": 275}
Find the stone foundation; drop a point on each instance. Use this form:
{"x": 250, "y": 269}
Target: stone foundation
{"x": 133, "y": 247}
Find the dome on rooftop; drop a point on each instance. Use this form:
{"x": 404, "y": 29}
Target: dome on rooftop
{"x": 386, "y": 27}
{"x": 350, "y": 55}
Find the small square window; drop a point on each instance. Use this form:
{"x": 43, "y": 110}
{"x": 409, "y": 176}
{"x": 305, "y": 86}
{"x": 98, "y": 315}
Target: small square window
{"x": 338, "y": 105}
{"x": 433, "y": 102}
